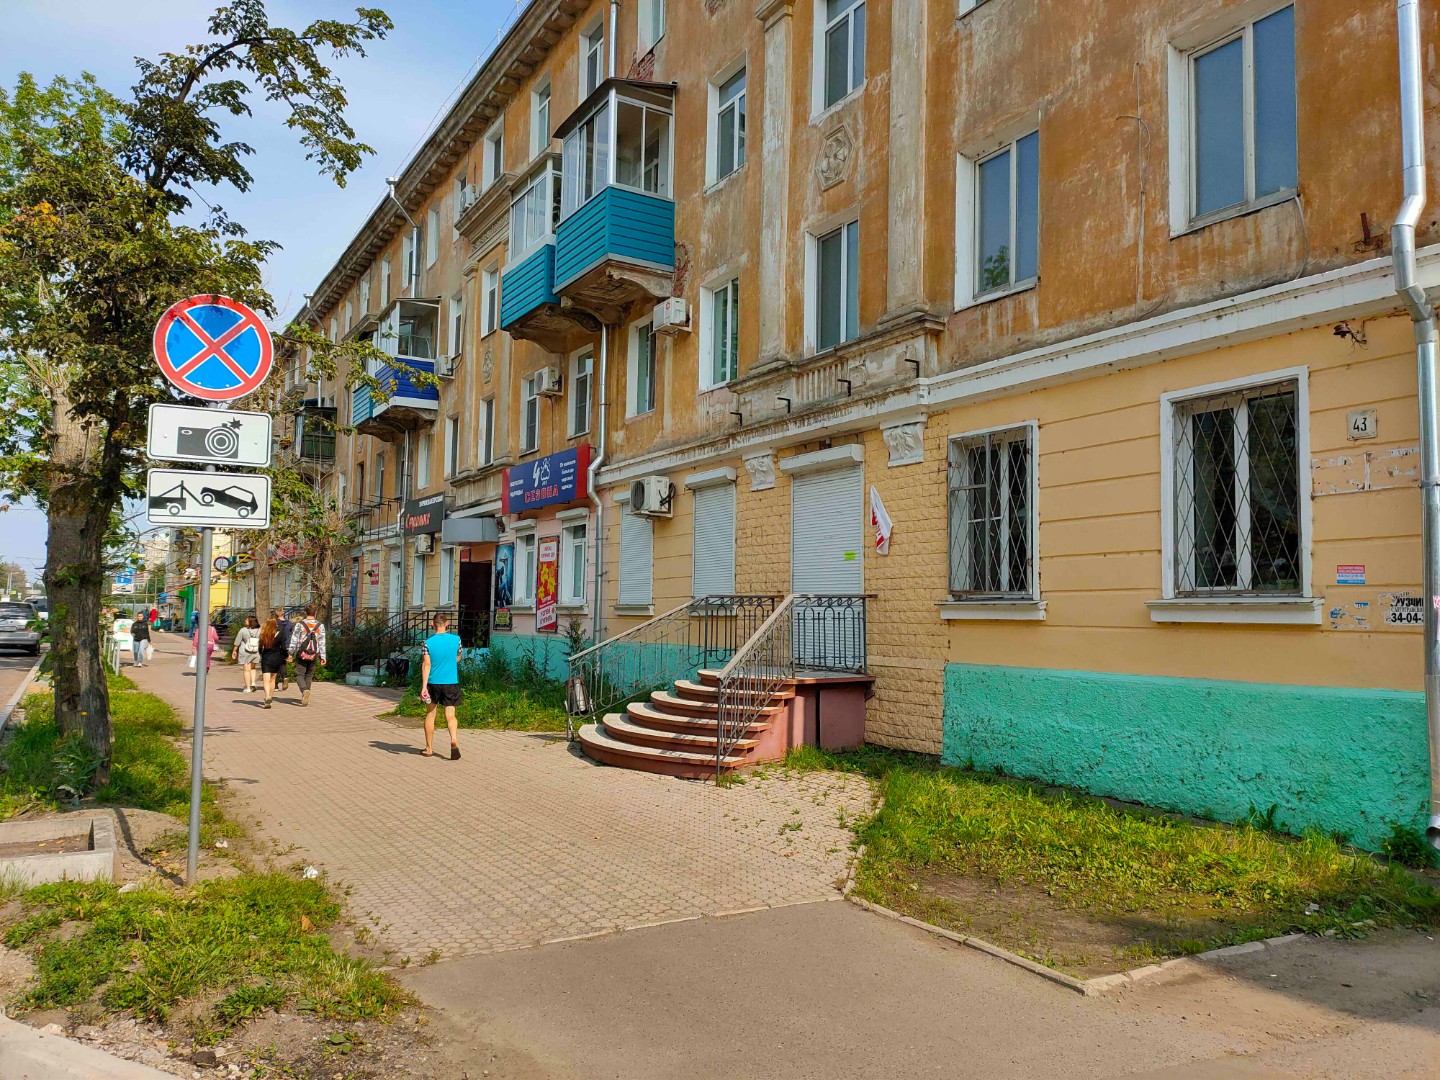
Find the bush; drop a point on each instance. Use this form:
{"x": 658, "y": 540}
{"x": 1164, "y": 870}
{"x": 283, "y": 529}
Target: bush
{"x": 500, "y": 694}
{"x": 1408, "y": 848}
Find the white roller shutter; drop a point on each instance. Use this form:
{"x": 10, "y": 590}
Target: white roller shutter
{"x": 637, "y": 564}
{"x": 714, "y": 572}
{"x": 828, "y": 532}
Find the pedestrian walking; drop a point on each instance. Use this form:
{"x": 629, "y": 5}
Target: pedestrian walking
{"x": 307, "y": 649}
{"x": 440, "y": 682}
{"x": 272, "y": 658}
{"x": 285, "y": 626}
{"x": 154, "y": 615}
{"x": 212, "y": 644}
{"x": 194, "y": 621}
{"x": 246, "y": 651}
{"x": 140, "y": 639}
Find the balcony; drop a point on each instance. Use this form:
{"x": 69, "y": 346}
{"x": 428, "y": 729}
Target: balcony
{"x": 315, "y": 438}
{"x": 615, "y": 242}
{"x": 409, "y": 396}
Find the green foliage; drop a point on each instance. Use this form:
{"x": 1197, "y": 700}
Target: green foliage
{"x": 75, "y": 764}
{"x": 499, "y": 694}
{"x": 1408, "y": 848}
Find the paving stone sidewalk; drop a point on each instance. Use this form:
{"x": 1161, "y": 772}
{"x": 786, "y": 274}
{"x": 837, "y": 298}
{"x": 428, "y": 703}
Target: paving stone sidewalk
{"x": 521, "y": 842}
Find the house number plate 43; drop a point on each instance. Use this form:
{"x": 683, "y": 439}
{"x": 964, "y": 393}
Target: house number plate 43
{"x": 1363, "y": 424}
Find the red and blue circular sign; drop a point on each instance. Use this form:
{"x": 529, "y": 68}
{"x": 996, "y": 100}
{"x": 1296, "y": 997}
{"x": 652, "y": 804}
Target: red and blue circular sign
{"x": 213, "y": 348}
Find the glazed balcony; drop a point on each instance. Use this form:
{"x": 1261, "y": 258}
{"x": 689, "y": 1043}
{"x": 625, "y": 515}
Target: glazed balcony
{"x": 615, "y": 242}
{"x": 407, "y": 333}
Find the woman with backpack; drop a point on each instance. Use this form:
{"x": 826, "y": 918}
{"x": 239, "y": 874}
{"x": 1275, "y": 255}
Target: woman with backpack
{"x": 246, "y": 651}
{"x": 272, "y": 658}
{"x": 307, "y": 649}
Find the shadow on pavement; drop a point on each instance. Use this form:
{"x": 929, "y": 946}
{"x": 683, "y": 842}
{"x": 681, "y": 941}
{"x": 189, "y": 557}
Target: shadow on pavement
{"x": 397, "y": 748}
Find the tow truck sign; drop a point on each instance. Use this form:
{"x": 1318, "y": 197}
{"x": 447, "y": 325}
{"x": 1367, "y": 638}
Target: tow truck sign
{"x": 219, "y": 500}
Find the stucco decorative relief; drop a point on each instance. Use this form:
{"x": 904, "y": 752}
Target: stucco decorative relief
{"x": 836, "y": 153}
{"x": 762, "y": 471}
{"x": 487, "y": 367}
{"x": 906, "y": 442}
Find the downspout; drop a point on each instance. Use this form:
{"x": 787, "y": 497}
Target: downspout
{"x": 614, "y": 32}
{"x": 412, "y": 281}
{"x": 1402, "y": 237}
{"x": 596, "y": 461}
{"x": 390, "y": 183}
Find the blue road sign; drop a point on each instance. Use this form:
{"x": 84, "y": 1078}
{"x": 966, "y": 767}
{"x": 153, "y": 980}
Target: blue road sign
{"x": 213, "y": 348}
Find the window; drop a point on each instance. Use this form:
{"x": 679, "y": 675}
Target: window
{"x": 452, "y": 445}
{"x": 365, "y": 295}
{"x": 637, "y": 566}
{"x": 722, "y": 339}
{"x": 992, "y": 500}
{"x": 836, "y": 297}
{"x": 525, "y": 569}
{"x": 642, "y": 148}
{"x": 714, "y": 546}
{"x": 409, "y": 260}
{"x": 841, "y": 66}
{"x": 334, "y": 329}
{"x": 380, "y": 477}
{"x": 385, "y": 282}
{"x": 530, "y": 413}
{"x": 642, "y": 368}
{"x": 652, "y": 23}
{"x": 492, "y": 161}
{"x": 1005, "y": 190}
{"x": 540, "y": 118}
{"x": 728, "y": 133}
{"x": 432, "y": 236}
{"x": 1241, "y": 129}
{"x": 592, "y": 59}
{"x": 457, "y": 326}
{"x": 625, "y": 141}
{"x": 534, "y": 213}
{"x": 1235, "y": 520}
{"x": 487, "y": 431}
{"x": 448, "y": 564}
{"x": 459, "y": 197}
{"x": 349, "y": 313}
{"x": 489, "y": 300}
{"x": 417, "y": 581}
{"x": 587, "y": 161}
{"x": 572, "y": 565}
{"x": 422, "y": 462}
{"x": 581, "y": 366}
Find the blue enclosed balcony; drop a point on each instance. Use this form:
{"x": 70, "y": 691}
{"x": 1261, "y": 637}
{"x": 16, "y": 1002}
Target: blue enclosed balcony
{"x": 409, "y": 393}
{"x": 615, "y": 241}
{"x": 529, "y": 307}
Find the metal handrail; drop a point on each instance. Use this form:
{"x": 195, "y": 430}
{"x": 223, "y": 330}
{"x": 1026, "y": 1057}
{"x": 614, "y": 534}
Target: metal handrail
{"x": 701, "y": 633}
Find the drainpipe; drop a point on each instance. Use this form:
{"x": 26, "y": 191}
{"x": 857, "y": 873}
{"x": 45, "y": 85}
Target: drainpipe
{"x": 1402, "y": 236}
{"x": 594, "y": 471}
{"x": 390, "y": 183}
{"x": 614, "y": 32}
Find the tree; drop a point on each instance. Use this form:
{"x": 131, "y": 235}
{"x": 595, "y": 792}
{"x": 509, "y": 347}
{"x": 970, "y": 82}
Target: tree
{"x": 93, "y": 248}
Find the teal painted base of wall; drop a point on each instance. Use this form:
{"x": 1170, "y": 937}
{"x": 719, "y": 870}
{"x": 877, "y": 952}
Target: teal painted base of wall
{"x": 548, "y": 650}
{"x": 1340, "y": 760}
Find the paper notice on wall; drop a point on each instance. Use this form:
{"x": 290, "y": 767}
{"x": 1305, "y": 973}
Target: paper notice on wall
{"x": 1350, "y": 574}
{"x": 1402, "y": 609}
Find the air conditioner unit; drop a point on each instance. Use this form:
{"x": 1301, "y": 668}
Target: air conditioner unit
{"x": 445, "y": 366}
{"x": 424, "y": 543}
{"x": 672, "y": 316}
{"x": 548, "y": 380}
{"x": 652, "y": 496}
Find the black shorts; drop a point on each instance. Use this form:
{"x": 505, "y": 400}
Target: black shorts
{"x": 445, "y": 694}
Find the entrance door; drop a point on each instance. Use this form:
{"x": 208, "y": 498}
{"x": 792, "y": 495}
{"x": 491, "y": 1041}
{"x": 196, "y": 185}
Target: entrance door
{"x": 474, "y": 601}
{"x": 354, "y": 587}
{"x": 827, "y": 557}
{"x": 396, "y": 583}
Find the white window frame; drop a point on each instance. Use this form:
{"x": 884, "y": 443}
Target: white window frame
{"x": 487, "y": 431}
{"x": 572, "y": 593}
{"x": 417, "y": 581}
{"x": 529, "y": 405}
{"x": 432, "y": 236}
{"x": 457, "y": 326}
{"x": 542, "y": 102}
{"x": 365, "y": 294}
{"x": 650, "y": 19}
{"x": 385, "y": 282}
{"x": 712, "y": 136}
{"x": 812, "y": 283}
{"x": 410, "y": 262}
{"x": 967, "y": 216}
{"x": 1182, "y": 53}
{"x": 448, "y": 562}
{"x": 422, "y": 462}
{"x": 592, "y": 45}
{"x": 1024, "y": 604}
{"x": 1303, "y": 609}
{"x": 492, "y": 154}
{"x": 582, "y": 374}
{"x": 823, "y": 25}
{"x": 723, "y": 288}
{"x": 526, "y": 550}
{"x": 632, "y": 368}
{"x": 489, "y": 300}
{"x": 452, "y": 446}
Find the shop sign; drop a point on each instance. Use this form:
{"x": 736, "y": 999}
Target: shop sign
{"x": 552, "y": 480}
{"x": 425, "y": 515}
{"x": 504, "y": 585}
{"x": 547, "y": 586}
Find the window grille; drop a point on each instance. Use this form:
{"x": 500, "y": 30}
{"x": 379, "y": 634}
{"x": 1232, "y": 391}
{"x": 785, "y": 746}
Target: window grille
{"x": 991, "y": 536}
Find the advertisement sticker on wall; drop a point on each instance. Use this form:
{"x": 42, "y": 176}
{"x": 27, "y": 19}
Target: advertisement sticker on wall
{"x": 504, "y": 585}
{"x": 547, "y": 586}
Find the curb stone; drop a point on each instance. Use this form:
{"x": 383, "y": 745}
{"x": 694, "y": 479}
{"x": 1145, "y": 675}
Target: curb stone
{"x": 8, "y": 709}
{"x": 1088, "y": 987}
{"x": 29, "y": 1054}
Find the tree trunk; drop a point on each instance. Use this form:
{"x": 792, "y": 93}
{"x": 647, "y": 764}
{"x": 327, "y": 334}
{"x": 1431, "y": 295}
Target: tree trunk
{"x": 260, "y": 559}
{"x": 323, "y": 589}
{"x": 80, "y": 502}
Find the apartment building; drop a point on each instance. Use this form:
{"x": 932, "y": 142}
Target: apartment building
{"x": 1094, "y": 300}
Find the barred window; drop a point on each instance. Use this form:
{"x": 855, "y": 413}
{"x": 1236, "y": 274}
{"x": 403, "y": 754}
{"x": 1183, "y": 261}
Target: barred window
{"x": 992, "y": 541}
{"x": 1237, "y": 493}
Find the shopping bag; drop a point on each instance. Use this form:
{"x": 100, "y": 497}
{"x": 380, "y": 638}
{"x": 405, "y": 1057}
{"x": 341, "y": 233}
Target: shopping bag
{"x": 149, "y": 652}
{"x": 192, "y": 663}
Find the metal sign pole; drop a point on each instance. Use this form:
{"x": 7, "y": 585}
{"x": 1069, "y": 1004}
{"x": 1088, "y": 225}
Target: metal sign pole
{"x": 202, "y": 661}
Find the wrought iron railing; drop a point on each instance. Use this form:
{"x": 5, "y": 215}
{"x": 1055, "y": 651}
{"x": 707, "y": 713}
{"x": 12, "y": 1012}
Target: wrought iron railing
{"x": 703, "y": 633}
{"x": 806, "y": 633}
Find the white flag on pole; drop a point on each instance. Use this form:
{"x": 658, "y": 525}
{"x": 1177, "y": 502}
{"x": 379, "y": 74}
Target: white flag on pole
{"x": 881, "y": 521}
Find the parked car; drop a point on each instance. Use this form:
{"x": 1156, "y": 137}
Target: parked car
{"x": 41, "y": 605}
{"x": 17, "y": 627}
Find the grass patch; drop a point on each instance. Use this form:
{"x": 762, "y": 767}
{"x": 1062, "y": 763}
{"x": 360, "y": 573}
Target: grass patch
{"x": 1172, "y": 884}
{"x": 259, "y": 937}
{"x": 499, "y": 694}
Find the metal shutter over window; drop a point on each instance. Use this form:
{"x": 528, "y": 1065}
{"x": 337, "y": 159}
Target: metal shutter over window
{"x": 714, "y": 540}
{"x": 828, "y": 532}
{"x": 637, "y": 565}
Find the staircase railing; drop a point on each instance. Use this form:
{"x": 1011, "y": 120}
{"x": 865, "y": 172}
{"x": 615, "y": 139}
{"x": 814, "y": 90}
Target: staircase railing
{"x": 703, "y": 633}
{"x": 806, "y": 633}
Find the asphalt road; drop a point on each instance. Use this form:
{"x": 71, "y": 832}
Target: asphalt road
{"x": 14, "y": 665}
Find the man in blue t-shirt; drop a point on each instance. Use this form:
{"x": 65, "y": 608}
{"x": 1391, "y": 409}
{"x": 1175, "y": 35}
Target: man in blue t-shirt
{"x": 440, "y": 682}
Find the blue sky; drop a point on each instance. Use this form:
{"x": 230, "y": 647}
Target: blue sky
{"x": 395, "y": 94}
